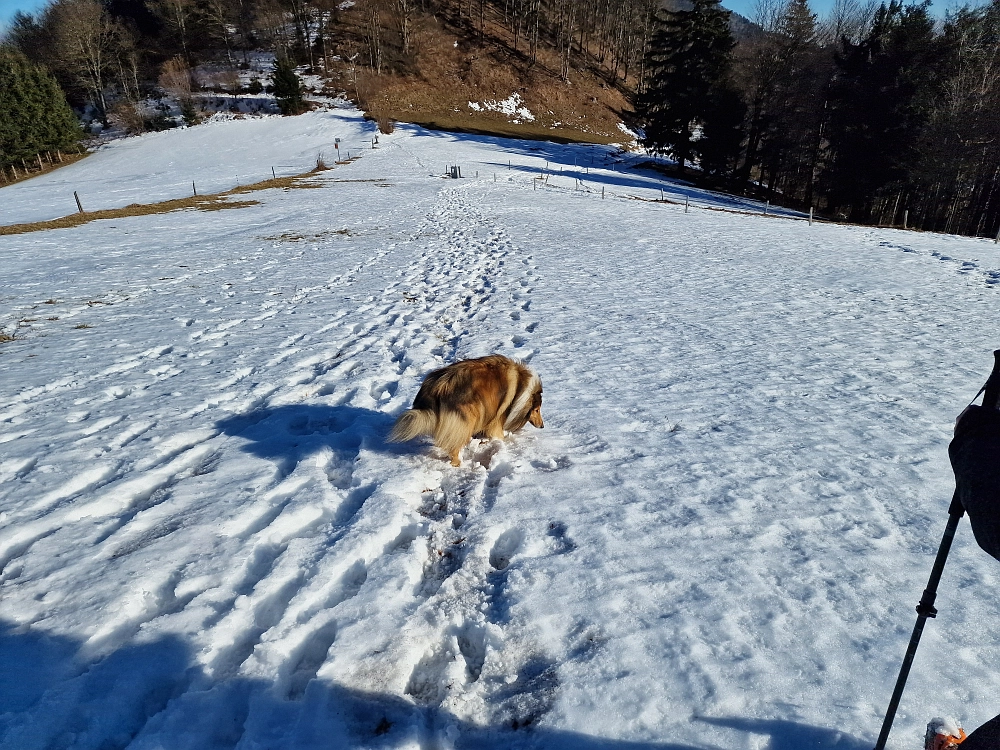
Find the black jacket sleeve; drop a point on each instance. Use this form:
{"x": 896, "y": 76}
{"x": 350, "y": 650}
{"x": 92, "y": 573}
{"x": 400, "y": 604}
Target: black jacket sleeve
{"x": 975, "y": 458}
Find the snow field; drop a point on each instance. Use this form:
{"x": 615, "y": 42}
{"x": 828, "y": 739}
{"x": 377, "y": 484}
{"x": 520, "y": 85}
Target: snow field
{"x": 716, "y": 542}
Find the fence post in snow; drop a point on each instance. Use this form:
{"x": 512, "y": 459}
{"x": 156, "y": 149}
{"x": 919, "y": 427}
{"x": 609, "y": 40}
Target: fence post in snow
{"x": 685, "y": 204}
{"x": 906, "y": 218}
{"x": 78, "y": 204}
{"x": 661, "y": 194}
{"x": 602, "y": 192}
{"x": 766, "y": 206}
{"x": 997, "y": 240}
{"x": 810, "y": 215}
{"x": 273, "y": 175}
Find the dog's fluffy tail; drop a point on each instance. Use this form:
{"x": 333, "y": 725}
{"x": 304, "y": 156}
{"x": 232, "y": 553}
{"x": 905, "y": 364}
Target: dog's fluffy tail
{"x": 411, "y": 423}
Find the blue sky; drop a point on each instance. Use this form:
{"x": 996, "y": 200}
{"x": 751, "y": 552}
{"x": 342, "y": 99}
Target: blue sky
{"x": 8, "y": 7}
{"x": 744, "y": 7}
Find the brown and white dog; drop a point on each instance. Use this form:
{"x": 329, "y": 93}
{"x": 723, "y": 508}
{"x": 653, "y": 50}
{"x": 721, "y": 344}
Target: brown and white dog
{"x": 484, "y": 396}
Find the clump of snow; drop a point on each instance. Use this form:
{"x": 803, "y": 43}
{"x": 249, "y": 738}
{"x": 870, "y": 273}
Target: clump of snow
{"x": 944, "y": 725}
{"x": 513, "y": 107}
{"x": 628, "y": 131}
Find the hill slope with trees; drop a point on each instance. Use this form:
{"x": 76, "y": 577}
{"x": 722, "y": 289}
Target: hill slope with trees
{"x": 875, "y": 114}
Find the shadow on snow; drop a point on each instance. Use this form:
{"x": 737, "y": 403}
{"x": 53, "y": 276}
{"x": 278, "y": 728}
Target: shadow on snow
{"x": 788, "y": 735}
{"x": 291, "y": 433}
{"x": 570, "y": 161}
{"x": 152, "y": 695}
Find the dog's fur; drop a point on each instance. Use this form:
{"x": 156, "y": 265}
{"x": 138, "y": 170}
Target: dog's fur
{"x": 484, "y": 396}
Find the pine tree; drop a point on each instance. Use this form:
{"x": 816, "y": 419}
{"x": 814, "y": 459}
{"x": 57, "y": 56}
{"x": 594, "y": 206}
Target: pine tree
{"x": 879, "y": 106}
{"x": 34, "y": 115}
{"x": 287, "y": 87}
{"x": 687, "y": 63}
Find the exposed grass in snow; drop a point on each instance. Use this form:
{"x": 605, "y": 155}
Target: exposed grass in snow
{"x": 211, "y": 202}
{"x": 67, "y": 159}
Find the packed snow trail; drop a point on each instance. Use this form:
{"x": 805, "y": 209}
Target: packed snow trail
{"x": 716, "y": 542}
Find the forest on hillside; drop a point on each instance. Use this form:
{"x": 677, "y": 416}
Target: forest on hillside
{"x": 881, "y": 115}
{"x": 876, "y": 113}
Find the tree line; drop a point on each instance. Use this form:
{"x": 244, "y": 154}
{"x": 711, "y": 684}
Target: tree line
{"x": 35, "y": 118}
{"x": 874, "y": 113}
{"x": 877, "y": 115}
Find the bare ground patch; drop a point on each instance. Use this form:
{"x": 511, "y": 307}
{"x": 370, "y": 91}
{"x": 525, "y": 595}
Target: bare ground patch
{"x": 210, "y": 202}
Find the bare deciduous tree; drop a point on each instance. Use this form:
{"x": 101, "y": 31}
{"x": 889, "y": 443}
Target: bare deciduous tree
{"x": 86, "y": 41}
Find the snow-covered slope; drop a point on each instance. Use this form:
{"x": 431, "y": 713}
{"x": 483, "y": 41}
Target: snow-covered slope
{"x": 716, "y": 542}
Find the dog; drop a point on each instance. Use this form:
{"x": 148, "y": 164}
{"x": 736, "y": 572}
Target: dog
{"x": 485, "y": 396}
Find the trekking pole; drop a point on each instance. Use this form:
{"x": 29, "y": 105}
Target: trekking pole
{"x": 925, "y": 609}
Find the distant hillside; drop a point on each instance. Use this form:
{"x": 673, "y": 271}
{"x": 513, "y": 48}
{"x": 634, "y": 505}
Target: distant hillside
{"x": 474, "y": 72}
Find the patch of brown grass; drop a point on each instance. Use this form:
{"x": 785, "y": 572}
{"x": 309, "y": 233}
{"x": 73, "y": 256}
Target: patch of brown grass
{"x": 453, "y": 65}
{"x": 33, "y": 171}
{"x": 211, "y": 202}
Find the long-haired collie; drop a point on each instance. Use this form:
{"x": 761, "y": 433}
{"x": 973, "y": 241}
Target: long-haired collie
{"x": 485, "y": 396}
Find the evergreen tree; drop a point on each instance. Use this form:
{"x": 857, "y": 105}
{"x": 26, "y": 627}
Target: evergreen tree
{"x": 34, "y": 115}
{"x": 879, "y": 105}
{"x": 722, "y": 132}
{"x": 287, "y": 87}
{"x": 687, "y": 63}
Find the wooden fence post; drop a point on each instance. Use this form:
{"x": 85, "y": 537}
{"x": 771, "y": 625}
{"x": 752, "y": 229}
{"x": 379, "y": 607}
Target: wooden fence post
{"x": 78, "y": 204}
